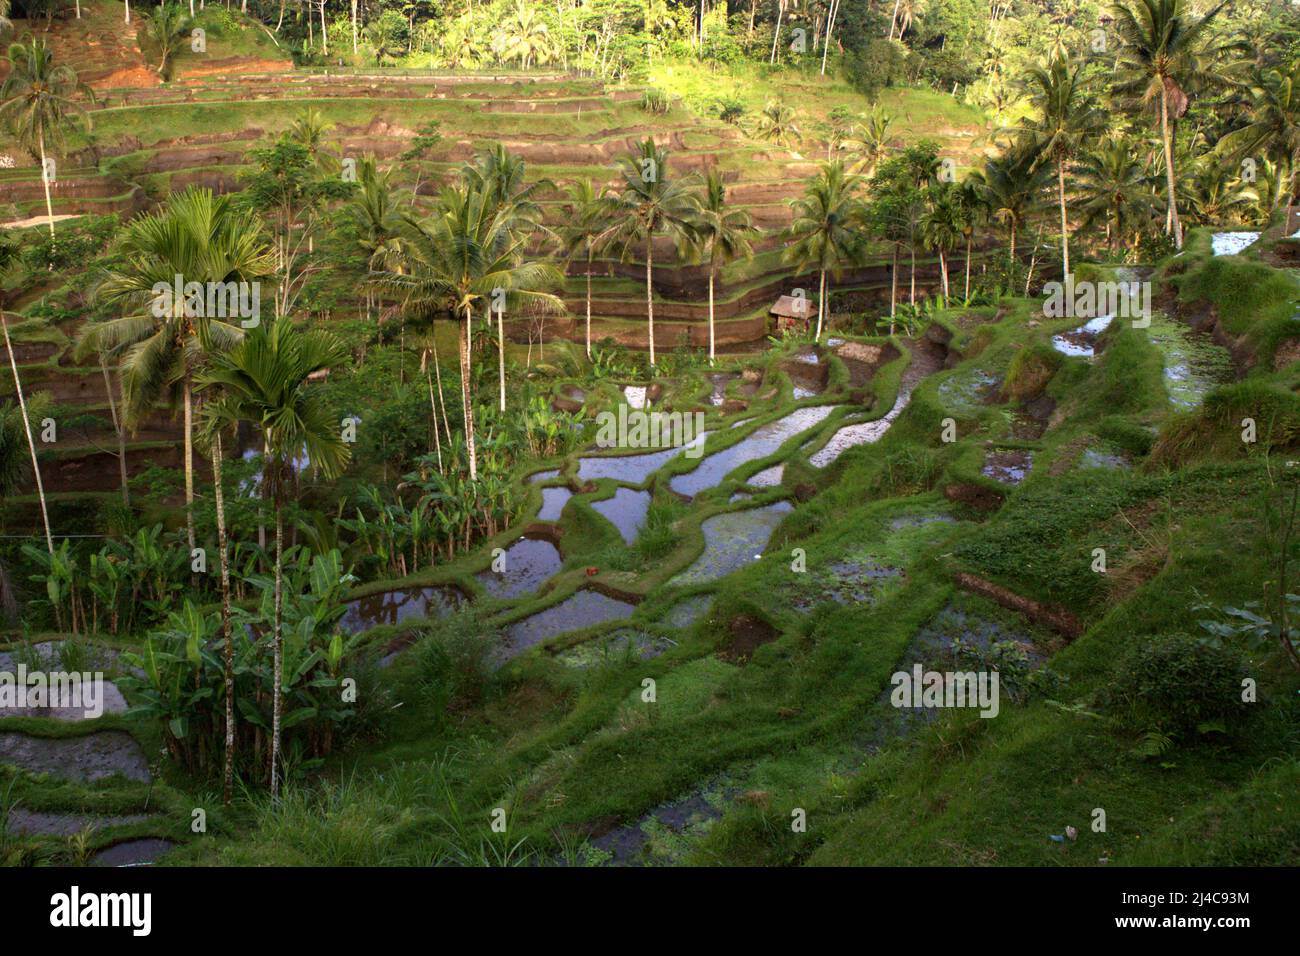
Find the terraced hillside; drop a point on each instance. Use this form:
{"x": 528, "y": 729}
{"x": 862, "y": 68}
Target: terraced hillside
{"x": 148, "y": 140}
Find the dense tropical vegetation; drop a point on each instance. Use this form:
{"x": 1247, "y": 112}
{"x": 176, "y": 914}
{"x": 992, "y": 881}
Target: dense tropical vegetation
{"x": 446, "y": 308}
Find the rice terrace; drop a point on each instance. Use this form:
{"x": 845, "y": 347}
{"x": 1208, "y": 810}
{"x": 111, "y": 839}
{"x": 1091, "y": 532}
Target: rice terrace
{"x": 649, "y": 433}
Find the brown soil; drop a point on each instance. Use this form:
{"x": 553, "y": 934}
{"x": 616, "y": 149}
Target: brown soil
{"x": 976, "y": 496}
{"x": 748, "y": 633}
{"x": 1056, "y": 618}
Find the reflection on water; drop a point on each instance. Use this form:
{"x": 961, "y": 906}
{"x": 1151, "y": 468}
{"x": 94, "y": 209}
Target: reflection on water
{"x": 626, "y": 511}
{"x": 762, "y": 442}
{"x": 525, "y": 565}
{"x": 553, "y": 501}
{"x": 733, "y": 540}
{"x": 1083, "y": 340}
{"x": 632, "y": 469}
{"x": 392, "y": 607}
{"x": 582, "y": 609}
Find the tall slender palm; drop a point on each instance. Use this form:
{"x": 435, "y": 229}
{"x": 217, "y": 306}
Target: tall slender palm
{"x": 825, "y": 233}
{"x": 972, "y": 203}
{"x": 501, "y": 176}
{"x": 456, "y": 260}
{"x": 585, "y": 223}
{"x": 722, "y": 234}
{"x": 941, "y": 228}
{"x": 1274, "y": 127}
{"x": 198, "y": 238}
{"x": 649, "y": 201}
{"x": 8, "y": 256}
{"x": 1165, "y": 55}
{"x": 265, "y": 379}
{"x": 1063, "y": 121}
{"x": 223, "y": 416}
{"x": 36, "y": 103}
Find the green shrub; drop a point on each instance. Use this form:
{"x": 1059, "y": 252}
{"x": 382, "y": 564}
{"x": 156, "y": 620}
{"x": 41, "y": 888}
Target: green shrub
{"x": 1177, "y": 683}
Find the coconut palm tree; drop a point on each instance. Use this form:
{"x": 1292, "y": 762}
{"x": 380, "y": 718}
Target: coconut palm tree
{"x": 1164, "y": 57}
{"x": 1012, "y": 185}
{"x": 456, "y": 261}
{"x": 872, "y": 139}
{"x": 826, "y": 231}
{"x": 585, "y": 223}
{"x": 8, "y": 256}
{"x": 1274, "y": 127}
{"x": 375, "y": 220}
{"x": 650, "y": 201}
{"x": 1113, "y": 187}
{"x": 721, "y": 234}
{"x": 528, "y": 37}
{"x": 37, "y": 105}
{"x": 1063, "y": 121}
{"x": 1214, "y": 191}
{"x": 265, "y": 378}
{"x": 198, "y": 238}
{"x": 167, "y": 29}
{"x": 502, "y": 178}
{"x": 777, "y": 123}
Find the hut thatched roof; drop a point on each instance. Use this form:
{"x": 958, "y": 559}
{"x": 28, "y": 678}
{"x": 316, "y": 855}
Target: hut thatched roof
{"x": 791, "y": 307}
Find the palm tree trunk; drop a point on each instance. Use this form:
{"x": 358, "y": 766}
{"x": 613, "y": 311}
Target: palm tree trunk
{"x": 1065, "y": 229}
{"x": 776, "y": 36}
{"x": 466, "y": 400}
{"x": 650, "y": 294}
{"x": 45, "y": 180}
{"x": 893, "y": 290}
{"x": 127, "y": 4}
{"x": 501, "y": 355}
{"x": 442, "y": 399}
{"x": 277, "y": 645}
{"x": 324, "y": 37}
{"x": 821, "y": 304}
{"x": 943, "y": 273}
{"x": 1168, "y": 142}
{"x": 118, "y": 430}
{"x": 830, "y": 25}
{"x": 892, "y": 21}
{"x": 966, "y": 294}
{"x": 433, "y": 412}
{"x": 227, "y": 635}
{"x": 712, "y": 353}
{"x": 589, "y": 303}
{"x": 27, "y": 426}
{"x": 354, "y": 27}
{"x": 912, "y": 294}
{"x": 189, "y": 459}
